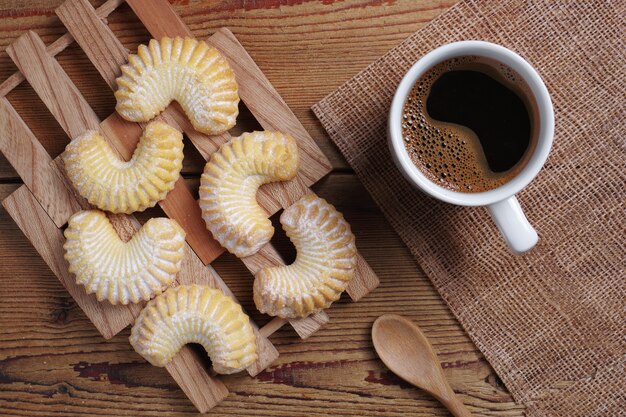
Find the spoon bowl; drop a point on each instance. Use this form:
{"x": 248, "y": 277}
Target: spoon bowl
{"x": 405, "y": 350}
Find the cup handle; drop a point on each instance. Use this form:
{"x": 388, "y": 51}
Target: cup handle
{"x": 512, "y": 223}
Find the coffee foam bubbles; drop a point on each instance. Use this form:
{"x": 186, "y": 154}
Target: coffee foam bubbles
{"x": 448, "y": 154}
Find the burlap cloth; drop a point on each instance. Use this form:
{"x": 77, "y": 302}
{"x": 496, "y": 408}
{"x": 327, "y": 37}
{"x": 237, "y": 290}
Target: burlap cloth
{"x": 552, "y": 323}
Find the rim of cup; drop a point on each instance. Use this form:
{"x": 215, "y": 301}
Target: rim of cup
{"x": 541, "y": 96}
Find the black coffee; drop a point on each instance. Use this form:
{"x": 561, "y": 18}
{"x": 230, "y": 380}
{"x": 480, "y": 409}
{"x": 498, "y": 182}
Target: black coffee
{"x": 469, "y": 124}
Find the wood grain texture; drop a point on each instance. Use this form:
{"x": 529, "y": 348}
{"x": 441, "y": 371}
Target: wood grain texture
{"x": 255, "y": 90}
{"x": 28, "y": 157}
{"x": 48, "y": 240}
{"x": 73, "y": 113}
{"x": 305, "y": 48}
{"x": 57, "y": 47}
{"x": 54, "y": 362}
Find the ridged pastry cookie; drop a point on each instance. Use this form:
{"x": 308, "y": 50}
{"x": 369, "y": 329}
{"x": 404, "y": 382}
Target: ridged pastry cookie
{"x": 229, "y": 184}
{"x": 118, "y": 186}
{"x": 194, "y": 74}
{"x": 324, "y": 265}
{"x": 195, "y": 314}
{"x": 123, "y": 272}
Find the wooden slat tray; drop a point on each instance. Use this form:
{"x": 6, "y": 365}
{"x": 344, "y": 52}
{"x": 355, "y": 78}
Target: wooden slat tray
{"x": 42, "y": 206}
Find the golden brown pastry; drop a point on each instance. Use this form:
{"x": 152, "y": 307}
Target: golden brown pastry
{"x": 229, "y": 184}
{"x": 191, "y": 72}
{"x": 195, "y": 314}
{"x": 324, "y": 265}
{"x": 114, "y": 185}
{"x": 123, "y": 272}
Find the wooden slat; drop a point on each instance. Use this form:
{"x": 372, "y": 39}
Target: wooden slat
{"x": 32, "y": 162}
{"x": 204, "y": 391}
{"x": 94, "y": 37}
{"x": 364, "y": 281}
{"x": 159, "y": 18}
{"x": 48, "y": 240}
{"x": 57, "y": 47}
{"x": 52, "y": 85}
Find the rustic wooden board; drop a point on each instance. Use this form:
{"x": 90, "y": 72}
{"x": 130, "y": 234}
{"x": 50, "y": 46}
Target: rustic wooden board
{"x": 73, "y": 113}
{"x": 64, "y": 101}
{"x": 107, "y": 54}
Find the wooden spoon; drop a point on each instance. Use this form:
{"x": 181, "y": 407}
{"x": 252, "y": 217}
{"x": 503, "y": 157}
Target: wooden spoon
{"x": 405, "y": 350}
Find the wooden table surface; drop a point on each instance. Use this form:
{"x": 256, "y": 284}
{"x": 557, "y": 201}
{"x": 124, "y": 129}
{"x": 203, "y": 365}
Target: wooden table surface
{"x": 54, "y": 362}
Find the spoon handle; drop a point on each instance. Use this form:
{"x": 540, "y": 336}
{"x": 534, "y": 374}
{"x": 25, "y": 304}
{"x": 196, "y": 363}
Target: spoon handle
{"x": 455, "y": 406}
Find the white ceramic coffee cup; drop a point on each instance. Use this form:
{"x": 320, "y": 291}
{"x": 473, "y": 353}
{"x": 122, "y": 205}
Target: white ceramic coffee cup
{"x": 501, "y": 202}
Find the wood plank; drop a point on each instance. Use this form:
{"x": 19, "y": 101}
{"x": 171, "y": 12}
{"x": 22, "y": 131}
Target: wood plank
{"x": 204, "y": 391}
{"x": 364, "y": 281}
{"x": 48, "y": 240}
{"x": 94, "y": 37}
{"x": 333, "y": 374}
{"x": 160, "y": 18}
{"x": 57, "y": 47}
{"x": 52, "y": 84}
{"x": 32, "y": 163}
